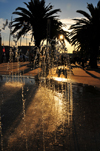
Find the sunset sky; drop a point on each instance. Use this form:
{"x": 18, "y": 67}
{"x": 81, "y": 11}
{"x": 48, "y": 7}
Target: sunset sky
{"x": 68, "y": 12}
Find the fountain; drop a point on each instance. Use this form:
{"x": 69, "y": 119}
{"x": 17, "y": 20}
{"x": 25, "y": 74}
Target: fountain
{"x": 37, "y": 113}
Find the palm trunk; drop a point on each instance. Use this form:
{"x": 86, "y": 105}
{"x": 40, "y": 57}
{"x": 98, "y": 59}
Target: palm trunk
{"x": 93, "y": 57}
{"x": 37, "y": 40}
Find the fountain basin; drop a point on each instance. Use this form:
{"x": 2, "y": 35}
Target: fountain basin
{"x": 17, "y": 78}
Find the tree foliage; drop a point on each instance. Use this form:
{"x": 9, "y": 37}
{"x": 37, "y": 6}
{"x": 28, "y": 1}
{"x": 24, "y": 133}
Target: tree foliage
{"x": 34, "y": 18}
{"x": 85, "y": 33}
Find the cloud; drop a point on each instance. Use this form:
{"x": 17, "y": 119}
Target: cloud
{"x": 68, "y": 22}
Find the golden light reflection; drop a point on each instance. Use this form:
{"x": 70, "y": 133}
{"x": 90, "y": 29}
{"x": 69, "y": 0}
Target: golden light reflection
{"x": 59, "y": 79}
{"x": 14, "y": 84}
{"x": 49, "y": 108}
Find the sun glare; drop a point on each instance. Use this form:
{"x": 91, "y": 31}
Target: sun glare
{"x": 61, "y": 37}
{"x": 60, "y": 79}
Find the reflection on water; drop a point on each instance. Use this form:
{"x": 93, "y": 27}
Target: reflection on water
{"x": 38, "y": 115}
{"x": 86, "y": 116}
{"x": 53, "y": 106}
{"x": 60, "y": 79}
{"x": 47, "y": 119}
{"x": 17, "y": 80}
{"x": 47, "y": 113}
{"x": 14, "y": 84}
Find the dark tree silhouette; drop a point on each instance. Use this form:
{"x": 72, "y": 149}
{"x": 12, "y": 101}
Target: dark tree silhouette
{"x": 35, "y": 19}
{"x": 85, "y": 34}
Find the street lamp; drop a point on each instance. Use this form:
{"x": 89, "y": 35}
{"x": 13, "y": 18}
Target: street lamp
{"x": 61, "y": 37}
{"x": 62, "y": 42}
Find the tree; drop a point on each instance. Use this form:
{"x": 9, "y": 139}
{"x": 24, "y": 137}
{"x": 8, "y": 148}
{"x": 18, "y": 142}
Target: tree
{"x": 35, "y": 18}
{"x": 85, "y": 33}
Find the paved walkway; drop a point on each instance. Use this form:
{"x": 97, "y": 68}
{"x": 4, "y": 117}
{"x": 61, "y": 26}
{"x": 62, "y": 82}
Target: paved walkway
{"x": 17, "y": 68}
{"x": 85, "y": 76}
{"x": 79, "y": 75}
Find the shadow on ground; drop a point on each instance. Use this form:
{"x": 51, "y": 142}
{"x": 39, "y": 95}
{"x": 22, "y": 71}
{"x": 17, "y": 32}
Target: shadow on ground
{"x": 12, "y": 107}
{"x": 47, "y": 124}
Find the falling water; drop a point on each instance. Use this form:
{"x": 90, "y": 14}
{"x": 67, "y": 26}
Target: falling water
{"x": 15, "y": 77}
{"x": 18, "y": 65}
{"x": 1, "y": 135}
{"x": 43, "y": 125}
{"x": 24, "y": 117}
{"x": 56, "y": 92}
{"x": 12, "y": 71}
{"x": 8, "y": 66}
{"x": 65, "y": 89}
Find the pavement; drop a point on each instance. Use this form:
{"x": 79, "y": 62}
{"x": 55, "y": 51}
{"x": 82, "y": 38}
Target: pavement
{"x": 23, "y": 68}
{"x": 86, "y": 75}
{"x": 79, "y": 75}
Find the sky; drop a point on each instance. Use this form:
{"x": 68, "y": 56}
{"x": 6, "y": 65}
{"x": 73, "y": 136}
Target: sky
{"x": 68, "y": 12}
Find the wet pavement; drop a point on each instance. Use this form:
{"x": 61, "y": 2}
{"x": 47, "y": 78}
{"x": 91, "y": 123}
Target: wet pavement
{"x": 36, "y": 117}
{"x": 86, "y": 117}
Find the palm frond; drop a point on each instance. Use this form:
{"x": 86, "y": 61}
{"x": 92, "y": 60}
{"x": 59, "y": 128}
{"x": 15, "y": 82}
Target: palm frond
{"x": 37, "y": 14}
{"x": 91, "y": 8}
{"x": 84, "y": 14}
{"x": 21, "y": 14}
{"x": 51, "y": 13}
{"x": 82, "y": 20}
{"x": 48, "y": 7}
{"x": 25, "y": 11}
{"x": 19, "y": 19}
{"x": 17, "y": 28}
{"x": 22, "y": 32}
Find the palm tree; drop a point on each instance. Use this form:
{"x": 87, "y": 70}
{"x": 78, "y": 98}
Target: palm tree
{"x": 35, "y": 18}
{"x": 85, "y": 33}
